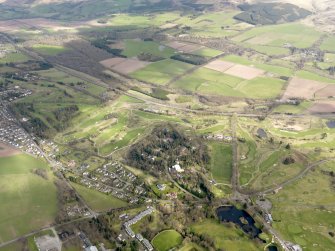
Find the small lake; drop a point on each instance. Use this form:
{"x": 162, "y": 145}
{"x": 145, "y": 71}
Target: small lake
{"x": 261, "y": 133}
{"x": 240, "y": 218}
{"x": 331, "y": 124}
{"x": 272, "y": 248}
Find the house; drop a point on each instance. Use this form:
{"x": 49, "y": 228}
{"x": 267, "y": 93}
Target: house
{"x": 177, "y": 168}
{"x": 91, "y": 248}
{"x": 161, "y": 187}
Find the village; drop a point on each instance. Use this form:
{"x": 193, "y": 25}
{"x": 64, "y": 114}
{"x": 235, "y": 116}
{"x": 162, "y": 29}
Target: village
{"x": 14, "y": 135}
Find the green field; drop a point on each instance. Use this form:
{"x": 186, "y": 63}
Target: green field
{"x": 28, "y": 201}
{"x": 225, "y": 237}
{"x": 218, "y": 24}
{"x": 262, "y": 87}
{"x": 166, "y": 240}
{"x": 296, "y": 34}
{"x": 293, "y": 108}
{"x": 97, "y": 200}
{"x": 206, "y": 81}
{"x": 328, "y": 44}
{"x": 161, "y": 72}
{"x": 271, "y": 68}
{"x": 14, "y": 58}
{"x": 221, "y": 162}
{"x": 135, "y": 47}
{"x": 49, "y": 50}
{"x": 314, "y": 76}
{"x": 207, "y": 52}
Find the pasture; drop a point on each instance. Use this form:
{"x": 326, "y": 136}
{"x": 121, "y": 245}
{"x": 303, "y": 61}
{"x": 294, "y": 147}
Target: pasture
{"x": 161, "y": 72}
{"x": 166, "y": 240}
{"x": 28, "y": 201}
{"x": 207, "y": 52}
{"x": 296, "y": 34}
{"x": 208, "y": 81}
{"x": 133, "y": 48}
{"x": 14, "y": 57}
{"x": 262, "y": 88}
{"x": 49, "y": 50}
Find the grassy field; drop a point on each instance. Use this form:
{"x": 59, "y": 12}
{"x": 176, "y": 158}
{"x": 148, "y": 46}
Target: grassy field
{"x": 217, "y": 24}
{"x": 269, "y": 50}
{"x": 166, "y": 240}
{"x": 28, "y": 201}
{"x": 226, "y": 238}
{"x": 314, "y": 76}
{"x": 49, "y": 50}
{"x": 14, "y": 58}
{"x": 135, "y": 47}
{"x": 299, "y": 35}
{"x": 328, "y": 44}
{"x": 303, "y": 211}
{"x": 207, "y": 52}
{"x": 262, "y": 88}
{"x": 206, "y": 81}
{"x": 221, "y": 162}
{"x": 303, "y": 106}
{"x": 161, "y": 72}
{"x": 98, "y": 201}
{"x": 271, "y": 68}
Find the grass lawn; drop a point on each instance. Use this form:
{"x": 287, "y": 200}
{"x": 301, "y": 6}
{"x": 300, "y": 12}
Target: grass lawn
{"x": 161, "y": 72}
{"x": 135, "y": 47}
{"x": 221, "y": 162}
{"x": 98, "y": 201}
{"x": 224, "y": 237}
{"x": 28, "y": 202}
{"x": 49, "y": 50}
{"x": 166, "y": 240}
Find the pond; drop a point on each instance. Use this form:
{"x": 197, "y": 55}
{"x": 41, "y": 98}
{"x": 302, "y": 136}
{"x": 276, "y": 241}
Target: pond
{"x": 272, "y": 248}
{"x": 331, "y": 123}
{"x": 240, "y": 218}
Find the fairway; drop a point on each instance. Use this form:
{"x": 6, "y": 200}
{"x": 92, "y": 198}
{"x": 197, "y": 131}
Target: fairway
{"x": 28, "y": 201}
{"x": 97, "y": 200}
{"x": 166, "y": 240}
{"x": 221, "y": 162}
